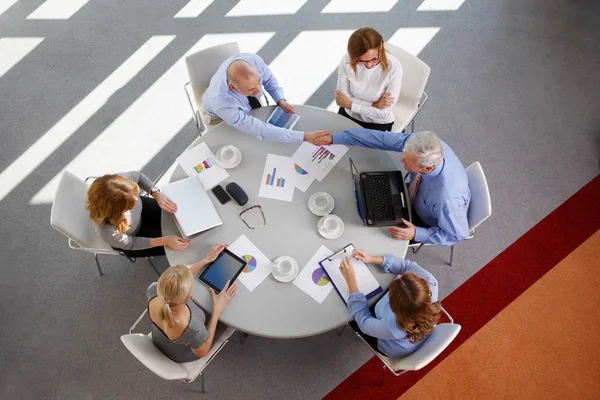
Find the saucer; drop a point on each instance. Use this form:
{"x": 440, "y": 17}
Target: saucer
{"x": 313, "y": 208}
{"x": 328, "y": 235}
{"x": 234, "y": 162}
{"x": 291, "y": 275}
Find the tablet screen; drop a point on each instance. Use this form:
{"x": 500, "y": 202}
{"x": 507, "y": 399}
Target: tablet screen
{"x": 282, "y": 119}
{"x": 225, "y": 268}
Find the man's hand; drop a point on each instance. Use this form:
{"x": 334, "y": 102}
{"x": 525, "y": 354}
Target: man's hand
{"x": 286, "y": 106}
{"x": 407, "y": 233}
{"x": 384, "y": 102}
{"x": 362, "y": 255}
{"x": 342, "y": 100}
{"x": 319, "y": 138}
{"x": 349, "y": 274}
{"x": 165, "y": 202}
{"x": 214, "y": 252}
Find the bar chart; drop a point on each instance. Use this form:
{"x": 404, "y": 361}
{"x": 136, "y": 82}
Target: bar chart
{"x": 321, "y": 153}
{"x": 271, "y": 179}
{"x": 204, "y": 165}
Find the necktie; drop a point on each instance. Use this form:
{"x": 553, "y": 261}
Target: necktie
{"x": 414, "y": 187}
{"x": 254, "y": 103}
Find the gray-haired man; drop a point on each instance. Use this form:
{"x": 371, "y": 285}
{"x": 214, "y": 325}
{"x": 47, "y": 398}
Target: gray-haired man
{"x": 439, "y": 188}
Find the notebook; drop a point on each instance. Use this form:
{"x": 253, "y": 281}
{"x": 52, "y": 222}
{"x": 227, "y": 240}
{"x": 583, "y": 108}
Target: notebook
{"x": 195, "y": 211}
{"x": 367, "y": 284}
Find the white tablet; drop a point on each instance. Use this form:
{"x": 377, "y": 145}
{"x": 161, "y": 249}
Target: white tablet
{"x": 283, "y": 119}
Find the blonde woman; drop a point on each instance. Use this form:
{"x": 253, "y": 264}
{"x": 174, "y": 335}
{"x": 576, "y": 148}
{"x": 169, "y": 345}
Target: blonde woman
{"x": 178, "y": 328}
{"x": 369, "y": 81}
{"x": 403, "y": 318}
{"x": 127, "y": 221}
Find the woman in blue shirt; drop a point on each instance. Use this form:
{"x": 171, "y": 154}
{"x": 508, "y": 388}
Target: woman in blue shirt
{"x": 405, "y": 316}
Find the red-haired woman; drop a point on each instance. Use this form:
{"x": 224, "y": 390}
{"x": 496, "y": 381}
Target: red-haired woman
{"x": 405, "y": 316}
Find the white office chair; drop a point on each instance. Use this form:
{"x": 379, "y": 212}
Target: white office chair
{"x": 480, "y": 207}
{"x": 441, "y": 336}
{"x": 69, "y": 217}
{"x": 201, "y": 67}
{"x": 413, "y": 97}
{"x": 142, "y": 347}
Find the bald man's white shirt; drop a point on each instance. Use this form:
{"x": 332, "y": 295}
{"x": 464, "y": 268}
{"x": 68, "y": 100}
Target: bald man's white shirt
{"x": 233, "y": 107}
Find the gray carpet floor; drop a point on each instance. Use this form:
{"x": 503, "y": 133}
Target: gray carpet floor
{"x": 514, "y": 84}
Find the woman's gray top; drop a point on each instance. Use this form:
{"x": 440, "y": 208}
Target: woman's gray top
{"x": 128, "y": 240}
{"x": 194, "y": 335}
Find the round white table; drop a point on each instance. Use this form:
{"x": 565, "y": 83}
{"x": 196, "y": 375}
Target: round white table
{"x": 275, "y": 309}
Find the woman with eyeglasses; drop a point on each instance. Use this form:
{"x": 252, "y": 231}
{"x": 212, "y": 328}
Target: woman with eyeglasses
{"x": 369, "y": 81}
{"x": 179, "y": 326}
{"x": 404, "y": 317}
{"x": 127, "y": 221}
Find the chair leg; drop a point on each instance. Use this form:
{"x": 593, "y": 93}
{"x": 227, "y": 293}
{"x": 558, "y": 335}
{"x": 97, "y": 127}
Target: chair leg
{"x": 451, "y": 254}
{"x": 98, "y": 264}
{"x": 153, "y": 266}
{"x": 340, "y": 330}
{"x": 382, "y": 376}
{"x": 202, "y": 382}
{"x": 418, "y": 248}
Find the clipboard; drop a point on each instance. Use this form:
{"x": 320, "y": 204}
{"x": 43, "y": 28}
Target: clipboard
{"x": 367, "y": 284}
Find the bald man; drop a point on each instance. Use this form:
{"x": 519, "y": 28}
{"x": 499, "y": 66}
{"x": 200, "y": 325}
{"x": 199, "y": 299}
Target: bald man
{"x": 236, "y": 88}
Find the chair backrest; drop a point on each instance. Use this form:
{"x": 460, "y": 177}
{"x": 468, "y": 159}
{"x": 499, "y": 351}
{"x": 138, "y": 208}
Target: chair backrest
{"x": 480, "y": 207}
{"x": 415, "y": 73}
{"x": 441, "y": 336}
{"x": 142, "y": 347}
{"x": 203, "y": 64}
{"x": 69, "y": 216}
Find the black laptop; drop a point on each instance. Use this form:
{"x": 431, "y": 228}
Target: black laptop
{"x": 381, "y": 197}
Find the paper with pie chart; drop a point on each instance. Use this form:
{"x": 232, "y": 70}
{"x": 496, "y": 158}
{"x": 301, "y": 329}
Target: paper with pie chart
{"x": 278, "y": 179}
{"x": 318, "y": 160}
{"x": 303, "y": 178}
{"x": 258, "y": 267}
{"x": 312, "y": 279}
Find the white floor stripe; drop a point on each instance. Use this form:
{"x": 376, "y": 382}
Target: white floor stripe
{"x": 193, "y": 9}
{"x": 301, "y": 68}
{"x": 35, "y": 155}
{"x": 440, "y": 5}
{"x": 139, "y": 133}
{"x": 265, "y": 7}
{"x": 6, "y": 4}
{"x": 358, "y": 6}
{"x": 13, "y": 49}
{"x": 413, "y": 40}
{"x": 57, "y": 9}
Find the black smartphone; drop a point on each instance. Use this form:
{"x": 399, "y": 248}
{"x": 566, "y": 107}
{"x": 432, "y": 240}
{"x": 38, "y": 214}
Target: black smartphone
{"x": 221, "y": 194}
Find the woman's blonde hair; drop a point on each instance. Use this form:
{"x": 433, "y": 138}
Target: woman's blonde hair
{"x": 109, "y": 197}
{"x": 363, "y": 40}
{"x": 174, "y": 287}
{"x": 410, "y": 300}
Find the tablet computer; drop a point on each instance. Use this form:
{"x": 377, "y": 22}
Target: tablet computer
{"x": 283, "y": 119}
{"x": 225, "y": 268}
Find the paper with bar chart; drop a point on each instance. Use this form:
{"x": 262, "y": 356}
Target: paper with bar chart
{"x": 199, "y": 161}
{"x": 312, "y": 280}
{"x": 278, "y": 178}
{"x": 318, "y": 160}
{"x": 258, "y": 267}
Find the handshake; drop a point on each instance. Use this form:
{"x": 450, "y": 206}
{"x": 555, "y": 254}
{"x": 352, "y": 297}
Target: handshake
{"x": 319, "y": 138}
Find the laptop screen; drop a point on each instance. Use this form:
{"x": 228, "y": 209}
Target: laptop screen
{"x": 356, "y": 186}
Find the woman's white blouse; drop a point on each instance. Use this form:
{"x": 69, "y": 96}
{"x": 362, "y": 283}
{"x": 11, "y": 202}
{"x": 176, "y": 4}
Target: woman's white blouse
{"x": 366, "y": 86}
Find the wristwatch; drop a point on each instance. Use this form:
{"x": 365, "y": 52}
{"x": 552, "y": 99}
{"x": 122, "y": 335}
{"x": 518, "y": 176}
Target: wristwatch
{"x": 154, "y": 190}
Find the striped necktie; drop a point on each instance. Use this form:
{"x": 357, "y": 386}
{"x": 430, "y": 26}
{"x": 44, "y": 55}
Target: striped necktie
{"x": 414, "y": 187}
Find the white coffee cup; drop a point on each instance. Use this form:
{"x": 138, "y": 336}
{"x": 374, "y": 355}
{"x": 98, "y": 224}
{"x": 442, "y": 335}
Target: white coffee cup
{"x": 331, "y": 225}
{"x": 227, "y": 154}
{"x": 321, "y": 201}
{"x": 284, "y": 266}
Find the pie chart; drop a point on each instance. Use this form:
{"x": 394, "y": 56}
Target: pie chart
{"x": 251, "y": 263}
{"x": 300, "y": 170}
{"x": 319, "y": 277}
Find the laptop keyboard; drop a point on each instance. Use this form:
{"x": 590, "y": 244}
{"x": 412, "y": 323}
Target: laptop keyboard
{"x": 378, "y": 193}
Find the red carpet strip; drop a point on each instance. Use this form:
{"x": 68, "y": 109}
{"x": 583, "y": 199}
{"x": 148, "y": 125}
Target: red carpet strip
{"x": 494, "y": 287}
